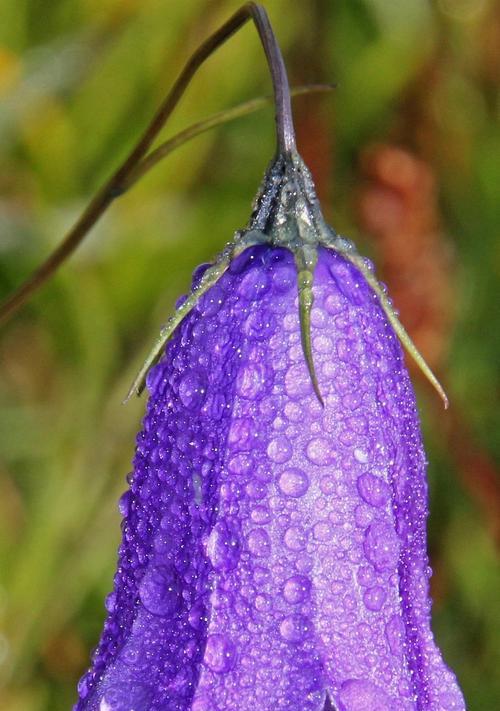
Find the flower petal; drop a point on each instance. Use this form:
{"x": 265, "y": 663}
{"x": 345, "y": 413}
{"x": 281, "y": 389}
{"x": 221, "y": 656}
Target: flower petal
{"x": 274, "y": 551}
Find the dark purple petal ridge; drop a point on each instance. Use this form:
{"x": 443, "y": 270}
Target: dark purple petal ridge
{"x": 274, "y": 551}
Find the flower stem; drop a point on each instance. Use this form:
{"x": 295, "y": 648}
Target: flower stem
{"x": 120, "y": 179}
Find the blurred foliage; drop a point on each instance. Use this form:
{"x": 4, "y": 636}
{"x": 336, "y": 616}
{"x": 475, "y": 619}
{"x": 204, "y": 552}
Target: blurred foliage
{"x": 418, "y": 81}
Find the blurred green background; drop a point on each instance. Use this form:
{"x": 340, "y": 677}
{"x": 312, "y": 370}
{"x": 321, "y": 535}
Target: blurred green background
{"x": 406, "y": 158}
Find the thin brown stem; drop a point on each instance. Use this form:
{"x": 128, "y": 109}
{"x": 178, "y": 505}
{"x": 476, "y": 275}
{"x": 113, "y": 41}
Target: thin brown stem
{"x": 247, "y": 107}
{"x": 115, "y": 185}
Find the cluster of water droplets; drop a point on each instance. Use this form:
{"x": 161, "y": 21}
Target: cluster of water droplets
{"x": 273, "y": 551}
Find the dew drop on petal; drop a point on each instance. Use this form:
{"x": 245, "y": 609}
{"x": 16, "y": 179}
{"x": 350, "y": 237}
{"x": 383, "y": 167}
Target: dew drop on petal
{"x": 322, "y": 531}
{"x": 192, "y": 389}
{"x": 220, "y": 653}
{"x": 360, "y": 455}
{"x": 293, "y": 482}
{"x": 334, "y": 304}
{"x": 296, "y": 589}
{"x": 319, "y": 451}
{"x": 254, "y": 284}
{"x": 394, "y": 631}
{"x": 297, "y": 381}
{"x": 240, "y": 433}
{"x": 318, "y": 318}
{"x": 258, "y": 543}
{"x": 361, "y": 695}
{"x": 260, "y": 514}
{"x": 202, "y": 703}
{"x": 373, "y": 490}
{"x": 295, "y": 628}
{"x": 381, "y": 546}
{"x": 124, "y": 503}
{"x": 279, "y": 450}
{"x": 374, "y": 598}
{"x": 223, "y": 548}
{"x": 110, "y": 602}
{"x": 295, "y": 538}
{"x": 251, "y": 380}
{"x": 159, "y": 590}
{"x": 262, "y": 603}
{"x": 365, "y": 575}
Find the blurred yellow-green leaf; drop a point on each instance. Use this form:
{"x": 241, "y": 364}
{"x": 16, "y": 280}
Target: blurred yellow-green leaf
{"x": 418, "y": 90}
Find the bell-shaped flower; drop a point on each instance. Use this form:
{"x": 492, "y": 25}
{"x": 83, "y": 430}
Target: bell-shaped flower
{"x": 274, "y": 533}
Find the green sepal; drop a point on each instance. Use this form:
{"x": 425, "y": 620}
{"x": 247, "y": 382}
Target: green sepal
{"x": 398, "y": 327}
{"x": 305, "y": 280}
{"x": 209, "y": 278}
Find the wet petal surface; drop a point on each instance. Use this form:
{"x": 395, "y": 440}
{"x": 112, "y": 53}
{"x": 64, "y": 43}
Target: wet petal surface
{"x": 274, "y": 551}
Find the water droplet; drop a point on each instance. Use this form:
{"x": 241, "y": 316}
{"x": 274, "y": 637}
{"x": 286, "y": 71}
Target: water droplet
{"x": 259, "y": 325}
{"x": 223, "y": 547}
{"x": 322, "y": 344}
{"x": 319, "y": 451}
{"x": 260, "y": 514}
{"x": 110, "y": 602}
{"x": 361, "y": 695}
{"x": 374, "y": 598}
{"x": 197, "y": 615}
{"x": 124, "y": 503}
{"x": 296, "y": 589}
{"x": 363, "y": 515}
{"x": 241, "y": 433}
{"x": 240, "y": 464}
{"x": 327, "y": 485}
{"x": 394, "y": 631}
{"x": 254, "y": 284}
{"x": 295, "y": 628}
{"x": 159, "y": 590}
{"x": 263, "y": 603}
{"x": 368, "y": 264}
{"x": 202, "y": 703}
{"x": 279, "y": 449}
{"x": 373, "y": 490}
{"x": 322, "y": 531}
{"x": 120, "y": 697}
{"x": 259, "y": 543}
{"x": 381, "y": 546}
{"x": 295, "y": 538}
{"x": 211, "y": 301}
{"x": 220, "y": 653}
{"x": 293, "y": 411}
{"x": 284, "y": 278}
{"x": 318, "y": 318}
{"x": 293, "y": 482}
{"x": 198, "y": 273}
{"x": 334, "y": 304}
{"x": 192, "y": 389}
{"x": 256, "y": 490}
{"x": 297, "y": 381}
{"x": 360, "y": 455}
{"x": 251, "y": 380}
{"x": 365, "y": 575}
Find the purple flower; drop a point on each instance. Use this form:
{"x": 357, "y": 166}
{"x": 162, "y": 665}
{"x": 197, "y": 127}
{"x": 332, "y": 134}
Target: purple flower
{"x": 274, "y": 546}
